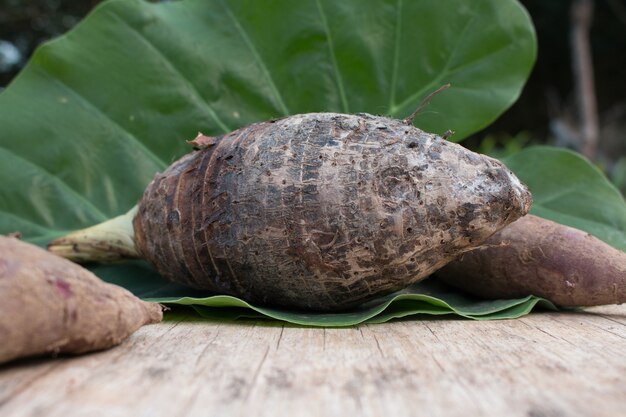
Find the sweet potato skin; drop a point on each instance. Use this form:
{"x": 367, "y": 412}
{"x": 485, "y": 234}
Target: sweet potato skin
{"x": 51, "y": 305}
{"x": 321, "y": 211}
{"x": 537, "y": 256}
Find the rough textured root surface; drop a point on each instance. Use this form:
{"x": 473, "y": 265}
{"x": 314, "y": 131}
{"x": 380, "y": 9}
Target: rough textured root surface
{"x": 51, "y": 305}
{"x": 536, "y": 256}
{"x": 321, "y": 211}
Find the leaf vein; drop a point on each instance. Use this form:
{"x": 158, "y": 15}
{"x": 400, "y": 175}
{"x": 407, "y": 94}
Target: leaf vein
{"x": 19, "y": 218}
{"x": 396, "y": 56}
{"x": 95, "y": 211}
{"x": 133, "y": 139}
{"x": 257, "y": 56}
{"x": 445, "y": 72}
{"x": 333, "y": 57}
{"x": 177, "y": 72}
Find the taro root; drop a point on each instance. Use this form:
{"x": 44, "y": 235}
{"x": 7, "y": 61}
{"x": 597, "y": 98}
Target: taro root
{"x": 51, "y": 305}
{"x": 319, "y": 211}
{"x": 537, "y": 256}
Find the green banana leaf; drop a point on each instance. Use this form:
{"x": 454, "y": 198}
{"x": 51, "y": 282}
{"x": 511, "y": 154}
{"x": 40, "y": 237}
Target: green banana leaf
{"x": 97, "y": 112}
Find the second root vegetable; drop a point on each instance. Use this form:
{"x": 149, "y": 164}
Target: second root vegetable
{"x": 537, "y": 256}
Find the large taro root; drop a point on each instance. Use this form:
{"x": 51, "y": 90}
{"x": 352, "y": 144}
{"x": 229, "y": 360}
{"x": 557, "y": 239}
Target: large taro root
{"x": 537, "y": 256}
{"x": 51, "y": 305}
{"x": 318, "y": 211}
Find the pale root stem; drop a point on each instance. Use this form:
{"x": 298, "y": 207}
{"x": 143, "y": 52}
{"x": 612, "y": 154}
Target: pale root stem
{"x": 110, "y": 241}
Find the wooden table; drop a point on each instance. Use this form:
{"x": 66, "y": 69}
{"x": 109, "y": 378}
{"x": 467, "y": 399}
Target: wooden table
{"x": 542, "y": 365}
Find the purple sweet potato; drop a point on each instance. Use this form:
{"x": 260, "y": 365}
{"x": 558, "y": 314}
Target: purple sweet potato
{"x": 536, "y": 256}
{"x": 51, "y": 305}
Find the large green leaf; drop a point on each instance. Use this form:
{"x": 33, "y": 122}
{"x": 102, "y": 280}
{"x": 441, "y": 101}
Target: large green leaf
{"x": 97, "y": 112}
{"x": 567, "y": 189}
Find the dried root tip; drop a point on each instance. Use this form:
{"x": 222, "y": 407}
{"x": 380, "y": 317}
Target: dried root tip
{"x": 447, "y": 134}
{"x": 409, "y": 120}
{"x": 202, "y": 142}
{"x": 153, "y": 312}
{"x": 110, "y": 241}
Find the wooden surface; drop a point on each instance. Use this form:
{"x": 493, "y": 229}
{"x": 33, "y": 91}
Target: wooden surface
{"x": 542, "y": 365}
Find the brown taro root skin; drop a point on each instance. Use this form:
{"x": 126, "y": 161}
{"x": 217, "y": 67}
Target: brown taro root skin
{"x": 51, "y": 305}
{"x": 536, "y": 256}
{"x": 321, "y": 211}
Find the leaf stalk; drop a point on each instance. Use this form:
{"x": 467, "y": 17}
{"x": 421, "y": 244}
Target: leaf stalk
{"x": 110, "y": 241}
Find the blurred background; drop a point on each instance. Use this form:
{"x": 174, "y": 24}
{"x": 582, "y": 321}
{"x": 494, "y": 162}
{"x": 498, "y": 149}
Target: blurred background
{"x": 575, "y": 97}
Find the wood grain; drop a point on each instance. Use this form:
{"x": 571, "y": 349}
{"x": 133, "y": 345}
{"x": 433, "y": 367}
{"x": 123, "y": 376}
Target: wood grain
{"x": 542, "y": 365}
